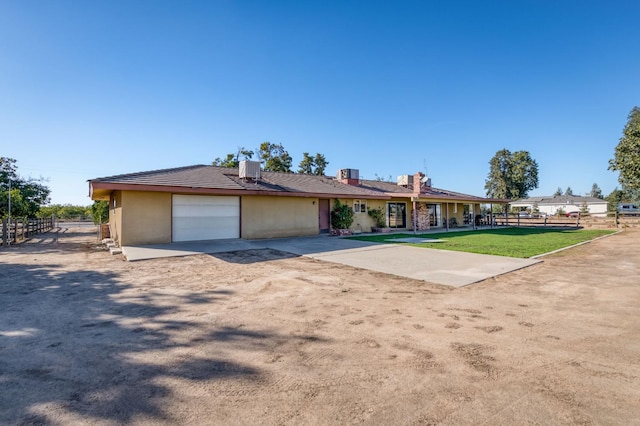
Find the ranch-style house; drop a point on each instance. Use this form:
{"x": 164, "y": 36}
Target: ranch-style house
{"x": 204, "y": 202}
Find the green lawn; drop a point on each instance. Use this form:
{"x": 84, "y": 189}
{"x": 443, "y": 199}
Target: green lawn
{"x": 512, "y": 242}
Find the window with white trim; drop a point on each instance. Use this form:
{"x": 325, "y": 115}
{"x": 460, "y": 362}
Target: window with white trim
{"x": 359, "y": 206}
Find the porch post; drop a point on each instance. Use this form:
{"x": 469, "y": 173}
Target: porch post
{"x": 473, "y": 215}
{"x": 415, "y": 217}
{"x": 447, "y": 216}
{"x": 491, "y": 215}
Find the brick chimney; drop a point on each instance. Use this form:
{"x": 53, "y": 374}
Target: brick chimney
{"x": 417, "y": 183}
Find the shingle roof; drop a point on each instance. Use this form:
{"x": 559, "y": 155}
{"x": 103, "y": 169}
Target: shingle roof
{"x": 198, "y": 176}
{"x": 292, "y": 182}
{"x": 222, "y": 178}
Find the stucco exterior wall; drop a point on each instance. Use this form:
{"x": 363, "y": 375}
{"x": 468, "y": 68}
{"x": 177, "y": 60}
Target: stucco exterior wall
{"x": 115, "y": 216}
{"x": 273, "y": 217}
{"x": 145, "y": 217}
{"x": 365, "y": 221}
{"x": 362, "y": 222}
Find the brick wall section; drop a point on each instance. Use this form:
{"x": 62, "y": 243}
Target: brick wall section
{"x": 422, "y": 217}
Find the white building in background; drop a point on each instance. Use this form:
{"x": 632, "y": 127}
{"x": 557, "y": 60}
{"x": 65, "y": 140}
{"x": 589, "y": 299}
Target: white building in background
{"x": 568, "y": 204}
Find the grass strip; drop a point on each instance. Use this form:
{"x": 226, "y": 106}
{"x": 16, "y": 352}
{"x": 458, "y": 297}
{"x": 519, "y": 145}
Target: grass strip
{"x": 511, "y": 242}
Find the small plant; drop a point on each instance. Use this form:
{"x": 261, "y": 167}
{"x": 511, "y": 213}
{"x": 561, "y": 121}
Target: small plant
{"x": 341, "y": 216}
{"x": 584, "y": 208}
{"x": 378, "y": 217}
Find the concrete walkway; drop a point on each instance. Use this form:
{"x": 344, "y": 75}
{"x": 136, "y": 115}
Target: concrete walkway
{"x": 445, "y": 267}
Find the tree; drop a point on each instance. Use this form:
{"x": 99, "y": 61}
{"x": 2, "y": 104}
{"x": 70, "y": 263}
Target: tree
{"x": 596, "y": 192}
{"x": 568, "y": 191}
{"x": 27, "y": 195}
{"x": 383, "y": 179}
{"x": 100, "y": 211}
{"x": 618, "y": 196}
{"x": 306, "y": 165}
{"x": 233, "y": 160}
{"x": 558, "y": 192}
{"x": 511, "y": 175}
{"x": 66, "y": 211}
{"x": 312, "y": 165}
{"x": 626, "y": 158}
{"x": 584, "y": 208}
{"x": 321, "y": 164}
{"x": 275, "y": 157}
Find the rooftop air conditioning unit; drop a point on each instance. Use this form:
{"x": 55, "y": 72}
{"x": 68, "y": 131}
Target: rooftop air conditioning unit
{"x": 348, "y": 174}
{"x": 405, "y": 180}
{"x": 249, "y": 170}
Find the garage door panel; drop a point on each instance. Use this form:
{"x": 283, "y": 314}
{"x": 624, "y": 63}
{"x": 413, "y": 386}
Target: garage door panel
{"x": 205, "y": 217}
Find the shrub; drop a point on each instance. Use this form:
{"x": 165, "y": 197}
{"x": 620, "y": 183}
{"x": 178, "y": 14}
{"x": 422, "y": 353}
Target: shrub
{"x": 378, "y": 217}
{"x": 341, "y": 216}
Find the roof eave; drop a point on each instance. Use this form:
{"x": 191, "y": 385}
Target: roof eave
{"x": 102, "y": 190}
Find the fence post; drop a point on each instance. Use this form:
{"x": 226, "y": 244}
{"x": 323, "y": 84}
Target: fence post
{"x": 4, "y": 232}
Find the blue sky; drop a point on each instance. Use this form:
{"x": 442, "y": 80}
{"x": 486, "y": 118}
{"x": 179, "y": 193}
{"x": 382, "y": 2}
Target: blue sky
{"x": 90, "y": 89}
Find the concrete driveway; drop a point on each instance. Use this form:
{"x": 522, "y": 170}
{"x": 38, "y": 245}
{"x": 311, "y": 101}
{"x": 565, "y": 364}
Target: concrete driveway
{"x": 445, "y": 267}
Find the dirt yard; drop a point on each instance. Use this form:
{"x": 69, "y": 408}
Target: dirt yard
{"x": 263, "y": 337}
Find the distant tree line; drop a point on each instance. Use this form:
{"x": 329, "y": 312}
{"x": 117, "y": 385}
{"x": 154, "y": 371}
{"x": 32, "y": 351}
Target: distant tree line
{"x": 27, "y": 194}
{"x": 275, "y": 158}
{"x": 30, "y": 197}
{"x": 98, "y": 212}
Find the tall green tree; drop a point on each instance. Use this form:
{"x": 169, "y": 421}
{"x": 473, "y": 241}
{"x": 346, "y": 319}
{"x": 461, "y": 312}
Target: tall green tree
{"x": 27, "y": 195}
{"x": 306, "y": 165}
{"x": 275, "y": 158}
{"x": 312, "y": 165}
{"x": 233, "y": 159}
{"x": 626, "y": 157}
{"x": 568, "y": 191}
{"x": 558, "y": 192}
{"x": 596, "y": 192}
{"x": 511, "y": 175}
{"x": 321, "y": 164}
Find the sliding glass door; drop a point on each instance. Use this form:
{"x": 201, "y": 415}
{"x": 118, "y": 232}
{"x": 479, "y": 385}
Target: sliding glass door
{"x": 397, "y": 214}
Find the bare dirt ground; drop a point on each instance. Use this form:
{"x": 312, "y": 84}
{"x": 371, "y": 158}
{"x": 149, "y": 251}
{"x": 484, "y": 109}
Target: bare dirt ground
{"x": 262, "y": 337}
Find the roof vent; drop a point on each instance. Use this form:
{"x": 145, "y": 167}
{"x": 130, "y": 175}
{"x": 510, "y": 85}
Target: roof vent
{"x": 249, "y": 170}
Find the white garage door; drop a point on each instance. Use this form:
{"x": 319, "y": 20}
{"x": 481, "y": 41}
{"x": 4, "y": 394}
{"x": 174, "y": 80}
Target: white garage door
{"x": 197, "y": 217}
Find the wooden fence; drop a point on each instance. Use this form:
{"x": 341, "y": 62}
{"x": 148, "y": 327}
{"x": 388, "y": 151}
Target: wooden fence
{"x": 611, "y": 220}
{"x": 545, "y": 221}
{"x": 20, "y": 229}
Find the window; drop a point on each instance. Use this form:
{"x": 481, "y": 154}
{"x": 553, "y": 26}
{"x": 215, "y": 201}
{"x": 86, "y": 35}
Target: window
{"x": 359, "y": 206}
